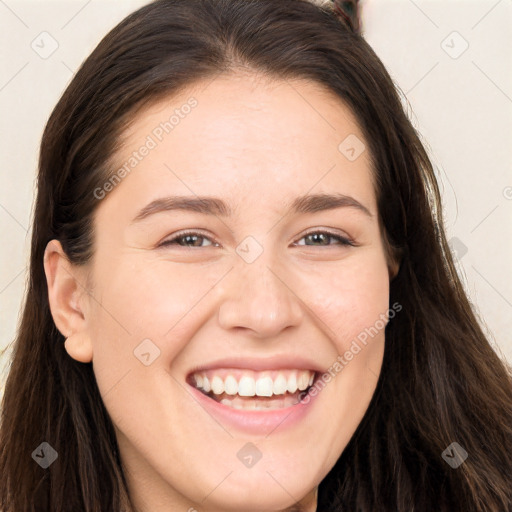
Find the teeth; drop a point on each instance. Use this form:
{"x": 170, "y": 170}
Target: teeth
{"x": 248, "y": 404}
{"x": 303, "y": 381}
{"x": 280, "y": 385}
{"x": 199, "y": 380}
{"x": 217, "y": 385}
{"x": 247, "y": 383}
{"x": 264, "y": 386}
{"x": 292, "y": 383}
{"x": 246, "y": 387}
{"x": 231, "y": 385}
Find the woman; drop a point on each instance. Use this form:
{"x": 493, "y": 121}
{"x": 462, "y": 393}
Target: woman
{"x": 241, "y": 295}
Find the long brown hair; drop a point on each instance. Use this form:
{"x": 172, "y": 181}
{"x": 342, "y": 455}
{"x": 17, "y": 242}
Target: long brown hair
{"x": 441, "y": 382}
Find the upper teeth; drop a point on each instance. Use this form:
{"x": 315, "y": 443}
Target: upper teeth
{"x": 250, "y": 383}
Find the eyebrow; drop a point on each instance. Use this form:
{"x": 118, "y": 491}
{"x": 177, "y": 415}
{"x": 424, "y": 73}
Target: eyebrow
{"x": 214, "y": 206}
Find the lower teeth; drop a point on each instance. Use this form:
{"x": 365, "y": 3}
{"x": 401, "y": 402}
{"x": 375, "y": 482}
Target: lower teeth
{"x": 259, "y": 403}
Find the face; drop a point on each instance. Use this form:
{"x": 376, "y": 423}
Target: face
{"x": 206, "y": 321}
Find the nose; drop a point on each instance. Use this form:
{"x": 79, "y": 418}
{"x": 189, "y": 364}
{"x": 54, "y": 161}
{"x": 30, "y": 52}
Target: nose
{"x": 260, "y": 296}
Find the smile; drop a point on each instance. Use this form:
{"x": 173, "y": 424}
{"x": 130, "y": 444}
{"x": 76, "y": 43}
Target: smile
{"x": 254, "y": 390}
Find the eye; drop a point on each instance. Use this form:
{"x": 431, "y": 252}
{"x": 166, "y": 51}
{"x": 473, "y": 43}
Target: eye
{"x": 194, "y": 239}
{"x": 325, "y": 236}
{"x": 189, "y": 239}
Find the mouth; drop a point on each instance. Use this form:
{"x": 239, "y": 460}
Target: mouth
{"x": 251, "y": 390}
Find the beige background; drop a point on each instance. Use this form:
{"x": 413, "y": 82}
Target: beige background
{"x": 452, "y": 60}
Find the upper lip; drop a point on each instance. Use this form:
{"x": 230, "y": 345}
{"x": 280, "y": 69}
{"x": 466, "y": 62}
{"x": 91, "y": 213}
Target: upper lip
{"x": 278, "y": 362}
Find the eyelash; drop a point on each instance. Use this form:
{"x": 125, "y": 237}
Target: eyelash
{"x": 344, "y": 241}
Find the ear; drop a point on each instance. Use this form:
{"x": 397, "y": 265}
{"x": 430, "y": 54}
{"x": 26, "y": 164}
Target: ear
{"x": 393, "y": 268}
{"x": 66, "y": 291}
{"x": 394, "y": 258}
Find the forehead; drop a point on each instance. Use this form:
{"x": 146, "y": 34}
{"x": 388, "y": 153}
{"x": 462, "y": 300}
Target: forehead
{"x": 248, "y": 136}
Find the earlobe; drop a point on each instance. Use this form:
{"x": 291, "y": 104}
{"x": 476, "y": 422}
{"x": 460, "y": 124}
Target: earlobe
{"x": 393, "y": 269}
{"x": 79, "y": 347}
{"x": 64, "y": 293}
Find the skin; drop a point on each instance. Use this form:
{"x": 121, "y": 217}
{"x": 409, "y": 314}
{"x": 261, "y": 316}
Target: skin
{"x": 257, "y": 144}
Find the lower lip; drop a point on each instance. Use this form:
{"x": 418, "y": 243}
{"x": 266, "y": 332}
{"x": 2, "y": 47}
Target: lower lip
{"x": 263, "y": 421}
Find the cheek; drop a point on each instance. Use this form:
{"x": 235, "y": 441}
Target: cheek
{"x": 138, "y": 299}
{"x": 350, "y": 298}
{"x": 352, "y": 302}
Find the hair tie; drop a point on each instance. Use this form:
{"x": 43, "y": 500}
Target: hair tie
{"x": 348, "y": 11}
